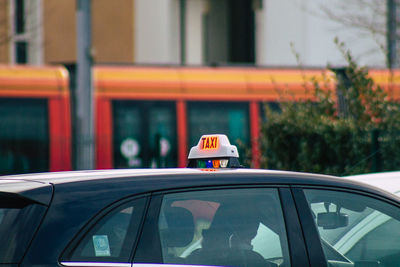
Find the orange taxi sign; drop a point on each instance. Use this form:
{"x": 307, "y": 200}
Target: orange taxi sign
{"x": 213, "y": 146}
{"x": 209, "y": 142}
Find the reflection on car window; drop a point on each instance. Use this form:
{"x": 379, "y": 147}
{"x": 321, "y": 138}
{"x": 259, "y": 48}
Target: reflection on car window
{"x": 235, "y": 227}
{"x": 18, "y": 223}
{"x": 356, "y": 229}
{"x": 111, "y": 238}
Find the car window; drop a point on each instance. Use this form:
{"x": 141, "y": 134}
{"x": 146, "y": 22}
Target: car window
{"x": 19, "y": 219}
{"x": 112, "y": 237}
{"x": 355, "y": 228}
{"x": 235, "y": 227}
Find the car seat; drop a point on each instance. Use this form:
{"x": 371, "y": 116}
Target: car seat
{"x": 178, "y": 233}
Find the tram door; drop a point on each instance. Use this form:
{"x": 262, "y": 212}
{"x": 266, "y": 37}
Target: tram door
{"x": 144, "y": 134}
{"x": 229, "y": 118}
{"x": 24, "y": 137}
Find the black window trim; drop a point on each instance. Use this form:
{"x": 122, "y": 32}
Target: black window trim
{"x": 218, "y": 187}
{"x": 295, "y": 236}
{"x": 147, "y": 249}
{"x": 310, "y": 231}
{"x": 96, "y": 264}
{"x": 351, "y": 190}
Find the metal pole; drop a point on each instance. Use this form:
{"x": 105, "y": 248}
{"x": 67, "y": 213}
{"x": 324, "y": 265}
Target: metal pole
{"x": 84, "y": 97}
{"x": 393, "y": 33}
{"x": 391, "y": 30}
{"x": 182, "y": 21}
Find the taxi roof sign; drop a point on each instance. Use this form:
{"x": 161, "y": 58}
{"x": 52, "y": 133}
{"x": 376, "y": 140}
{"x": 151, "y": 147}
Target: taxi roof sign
{"x": 213, "y": 146}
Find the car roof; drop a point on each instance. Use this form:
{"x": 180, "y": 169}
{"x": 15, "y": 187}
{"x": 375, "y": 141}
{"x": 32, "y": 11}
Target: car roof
{"x": 164, "y": 179}
{"x": 183, "y": 174}
{"x": 388, "y": 181}
{"x": 87, "y": 175}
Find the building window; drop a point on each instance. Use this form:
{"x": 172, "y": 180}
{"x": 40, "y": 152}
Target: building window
{"x": 19, "y": 19}
{"x": 21, "y": 52}
{"x": 26, "y": 28}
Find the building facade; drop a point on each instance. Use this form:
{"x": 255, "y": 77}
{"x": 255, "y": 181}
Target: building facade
{"x": 44, "y": 31}
{"x": 187, "y": 32}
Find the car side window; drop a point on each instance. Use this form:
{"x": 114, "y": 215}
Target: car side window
{"x": 356, "y": 229}
{"x": 112, "y": 237}
{"x": 232, "y": 227}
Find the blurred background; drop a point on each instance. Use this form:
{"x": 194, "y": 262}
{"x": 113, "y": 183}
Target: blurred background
{"x": 135, "y": 83}
{"x": 196, "y": 32}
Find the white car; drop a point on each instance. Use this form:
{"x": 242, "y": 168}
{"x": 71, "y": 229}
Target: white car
{"x": 388, "y": 181}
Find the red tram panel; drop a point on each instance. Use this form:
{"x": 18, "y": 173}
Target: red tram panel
{"x": 140, "y": 110}
{"x": 185, "y": 87}
{"x": 35, "y": 107}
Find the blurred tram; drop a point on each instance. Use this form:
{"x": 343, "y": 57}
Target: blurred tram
{"x": 145, "y": 116}
{"x": 148, "y": 116}
{"x": 35, "y": 124}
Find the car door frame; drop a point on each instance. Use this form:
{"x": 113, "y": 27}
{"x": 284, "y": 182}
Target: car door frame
{"x": 308, "y": 223}
{"x": 63, "y": 261}
{"x": 309, "y": 229}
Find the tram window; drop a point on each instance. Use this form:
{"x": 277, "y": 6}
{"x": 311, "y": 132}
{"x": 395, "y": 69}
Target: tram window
{"x": 231, "y": 119}
{"x": 144, "y": 134}
{"x": 24, "y": 139}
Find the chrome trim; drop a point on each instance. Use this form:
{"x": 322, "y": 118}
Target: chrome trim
{"x": 167, "y": 265}
{"x": 115, "y": 264}
{"x": 96, "y": 264}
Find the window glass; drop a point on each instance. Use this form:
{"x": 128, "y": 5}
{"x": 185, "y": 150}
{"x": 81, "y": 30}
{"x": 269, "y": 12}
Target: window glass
{"x": 21, "y": 52}
{"x": 19, "y": 16}
{"x": 231, "y": 119}
{"x": 144, "y": 134}
{"x": 356, "y": 229}
{"x": 24, "y": 139}
{"x": 111, "y": 239}
{"x": 235, "y": 227}
{"x": 18, "y": 222}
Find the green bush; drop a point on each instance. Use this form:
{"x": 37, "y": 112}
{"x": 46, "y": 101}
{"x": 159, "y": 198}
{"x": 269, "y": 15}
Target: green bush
{"x": 317, "y": 136}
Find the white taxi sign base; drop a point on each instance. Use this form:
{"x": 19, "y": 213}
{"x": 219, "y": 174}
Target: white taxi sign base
{"x": 213, "y": 146}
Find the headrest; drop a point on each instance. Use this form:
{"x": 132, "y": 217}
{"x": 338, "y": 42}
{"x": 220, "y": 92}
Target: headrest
{"x": 180, "y": 229}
